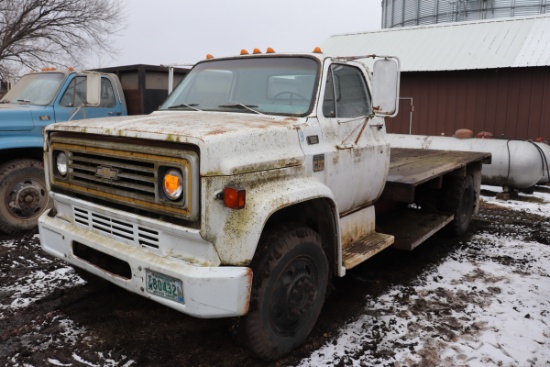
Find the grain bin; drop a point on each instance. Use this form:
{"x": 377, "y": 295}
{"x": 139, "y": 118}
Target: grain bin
{"x": 405, "y": 13}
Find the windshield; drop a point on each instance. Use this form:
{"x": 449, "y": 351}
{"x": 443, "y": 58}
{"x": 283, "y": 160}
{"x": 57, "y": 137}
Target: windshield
{"x": 266, "y": 85}
{"x": 38, "y": 89}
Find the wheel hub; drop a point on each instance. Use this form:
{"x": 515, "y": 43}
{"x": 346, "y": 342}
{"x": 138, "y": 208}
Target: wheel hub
{"x": 26, "y": 199}
{"x": 295, "y": 296}
{"x": 300, "y": 297}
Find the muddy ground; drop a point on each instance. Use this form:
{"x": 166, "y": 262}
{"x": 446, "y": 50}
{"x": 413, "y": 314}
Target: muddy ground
{"x": 66, "y": 322}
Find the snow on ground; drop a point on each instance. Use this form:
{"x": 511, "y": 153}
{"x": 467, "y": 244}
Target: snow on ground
{"x": 42, "y": 278}
{"x": 538, "y": 203}
{"x": 37, "y": 284}
{"x": 488, "y": 304}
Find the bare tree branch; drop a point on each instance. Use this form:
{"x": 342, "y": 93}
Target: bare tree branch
{"x": 37, "y": 33}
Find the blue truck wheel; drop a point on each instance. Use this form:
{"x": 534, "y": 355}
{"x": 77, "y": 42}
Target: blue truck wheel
{"x": 23, "y": 195}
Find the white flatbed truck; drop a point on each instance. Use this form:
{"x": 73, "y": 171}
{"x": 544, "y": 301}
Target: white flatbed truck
{"x": 258, "y": 180}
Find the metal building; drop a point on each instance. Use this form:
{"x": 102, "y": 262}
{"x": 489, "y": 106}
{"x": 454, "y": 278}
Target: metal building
{"x": 403, "y": 13}
{"x": 491, "y": 75}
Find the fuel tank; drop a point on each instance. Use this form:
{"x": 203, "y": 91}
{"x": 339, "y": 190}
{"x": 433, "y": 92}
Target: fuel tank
{"x": 516, "y": 164}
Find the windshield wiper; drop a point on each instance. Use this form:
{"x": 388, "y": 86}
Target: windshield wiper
{"x": 24, "y": 100}
{"x": 190, "y": 106}
{"x": 241, "y": 105}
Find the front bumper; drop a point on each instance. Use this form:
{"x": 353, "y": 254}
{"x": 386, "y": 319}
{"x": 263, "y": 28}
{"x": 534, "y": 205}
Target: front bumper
{"x": 208, "y": 291}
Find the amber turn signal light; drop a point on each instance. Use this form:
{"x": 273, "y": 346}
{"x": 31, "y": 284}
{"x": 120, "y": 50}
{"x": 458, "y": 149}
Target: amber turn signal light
{"x": 234, "y": 198}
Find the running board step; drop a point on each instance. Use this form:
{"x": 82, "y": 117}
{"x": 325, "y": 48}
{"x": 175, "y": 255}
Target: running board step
{"x": 357, "y": 252}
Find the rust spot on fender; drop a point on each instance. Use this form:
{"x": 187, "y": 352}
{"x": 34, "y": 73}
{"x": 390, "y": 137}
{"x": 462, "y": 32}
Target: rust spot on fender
{"x": 249, "y": 276}
{"x": 234, "y": 123}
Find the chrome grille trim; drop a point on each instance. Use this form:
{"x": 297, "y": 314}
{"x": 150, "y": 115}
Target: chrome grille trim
{"x": 140, "y": 179}
{"x": 127, "y": 172}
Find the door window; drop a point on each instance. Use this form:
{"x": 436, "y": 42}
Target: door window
{"x": 75, "y": 95}
{"x": 346, "y": 93}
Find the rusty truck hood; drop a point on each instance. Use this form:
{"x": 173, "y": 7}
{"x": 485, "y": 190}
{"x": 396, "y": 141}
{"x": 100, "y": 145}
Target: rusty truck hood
{"x": 229, "y": 143}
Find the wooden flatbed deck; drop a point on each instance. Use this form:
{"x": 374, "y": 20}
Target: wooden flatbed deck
{"x": 410, "y": 168}
{"x": 405, "y": 228}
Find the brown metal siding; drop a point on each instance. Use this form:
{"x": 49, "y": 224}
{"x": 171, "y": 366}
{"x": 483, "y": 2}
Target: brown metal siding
{"x": 145, "y": 86}
{"x": 510, "y": 102}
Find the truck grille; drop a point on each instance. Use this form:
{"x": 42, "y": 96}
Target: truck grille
{"x": 114, "y": 171}
{"x": 135, "y": 178}
{"x": 135, "y": 234}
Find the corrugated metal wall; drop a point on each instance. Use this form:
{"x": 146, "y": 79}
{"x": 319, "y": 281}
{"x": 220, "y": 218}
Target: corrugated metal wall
{"x": 403, "y": 13}
{"x": 510, "y": 102}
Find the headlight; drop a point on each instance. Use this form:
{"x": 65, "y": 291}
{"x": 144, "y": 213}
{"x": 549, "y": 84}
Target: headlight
{"x": 173, "y": 184}
{"x": 61, "y": 163}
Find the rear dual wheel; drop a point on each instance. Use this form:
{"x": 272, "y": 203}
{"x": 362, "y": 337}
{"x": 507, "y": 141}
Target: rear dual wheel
{"x": 459, "y": 198}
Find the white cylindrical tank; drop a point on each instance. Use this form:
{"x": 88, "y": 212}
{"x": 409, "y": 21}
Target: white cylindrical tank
{"x": 545, "y": 150}
{"x": 515, "y": 164}
{"x": 404, "y": 13}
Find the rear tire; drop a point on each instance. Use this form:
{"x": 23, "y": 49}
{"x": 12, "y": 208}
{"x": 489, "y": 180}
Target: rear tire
{"x": 288, "y": 292}
{"x": 23, "y": 195}
{"x": 459, "y": 198}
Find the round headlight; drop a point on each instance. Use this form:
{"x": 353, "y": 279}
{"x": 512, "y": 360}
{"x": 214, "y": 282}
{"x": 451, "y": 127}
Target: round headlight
{"x": 173, "y": 184}
{"x": 61, "y": 163}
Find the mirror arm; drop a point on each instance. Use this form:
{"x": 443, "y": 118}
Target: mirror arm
{"x": 75, "y": 112}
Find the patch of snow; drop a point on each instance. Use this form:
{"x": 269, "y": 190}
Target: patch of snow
{"x": 536, "y": 203}
{"x": 55, "y": 362}
{"x": 487, "y": 305}
{"x": 37, "y": 285}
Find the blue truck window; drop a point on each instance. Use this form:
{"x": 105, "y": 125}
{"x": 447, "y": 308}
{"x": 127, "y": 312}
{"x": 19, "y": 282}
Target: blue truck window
{"x": 75, "y": 95}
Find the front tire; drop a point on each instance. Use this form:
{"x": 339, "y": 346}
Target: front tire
{"x": 288, "y": 292}
{"x": 23, "y": 195}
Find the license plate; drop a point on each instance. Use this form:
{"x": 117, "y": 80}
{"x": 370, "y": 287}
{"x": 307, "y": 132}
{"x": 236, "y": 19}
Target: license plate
{"x": 164, "y": 286}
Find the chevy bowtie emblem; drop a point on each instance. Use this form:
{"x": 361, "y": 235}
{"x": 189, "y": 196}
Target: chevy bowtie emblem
{"x": 106, "y": 173}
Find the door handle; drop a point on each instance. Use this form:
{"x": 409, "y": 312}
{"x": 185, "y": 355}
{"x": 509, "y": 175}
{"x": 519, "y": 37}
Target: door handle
{"x": 118, "y": 113}
{"x": 345, "y": 146}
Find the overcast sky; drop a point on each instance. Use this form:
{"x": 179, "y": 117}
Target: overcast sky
{"x": 184, "y": 31}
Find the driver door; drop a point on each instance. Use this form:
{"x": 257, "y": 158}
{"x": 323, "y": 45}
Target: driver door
{"x": 75, "y": 96}
{"x": 357, "y": 156}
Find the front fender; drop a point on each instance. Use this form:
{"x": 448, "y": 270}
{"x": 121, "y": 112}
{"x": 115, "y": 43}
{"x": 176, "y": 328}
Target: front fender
{"x": 235, "y": 233}
{"x": 9, "y": 141}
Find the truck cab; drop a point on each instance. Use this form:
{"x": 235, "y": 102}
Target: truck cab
{"x": 37, "y": 100}
{"x": 50, "y": 96}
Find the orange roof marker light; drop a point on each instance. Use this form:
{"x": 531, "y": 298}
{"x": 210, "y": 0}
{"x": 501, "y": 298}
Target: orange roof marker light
{"x": 209, "y": 56}
{"x": 244, "y": 52}
{"x": 270, "y": 51}
{"x": 256, "y": 51}
{"x": 317, "y": 50}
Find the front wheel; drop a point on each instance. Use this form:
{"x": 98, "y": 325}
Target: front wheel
{"x": 23, "y": 195}
{"x": 288, "y": 292}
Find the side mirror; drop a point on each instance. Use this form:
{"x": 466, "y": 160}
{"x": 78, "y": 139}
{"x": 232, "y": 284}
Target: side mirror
{"x": 386, "y": 75}
{"x": 93, "y": 88}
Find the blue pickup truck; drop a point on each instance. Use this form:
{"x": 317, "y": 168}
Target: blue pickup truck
{"x": 42, "y": 98}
